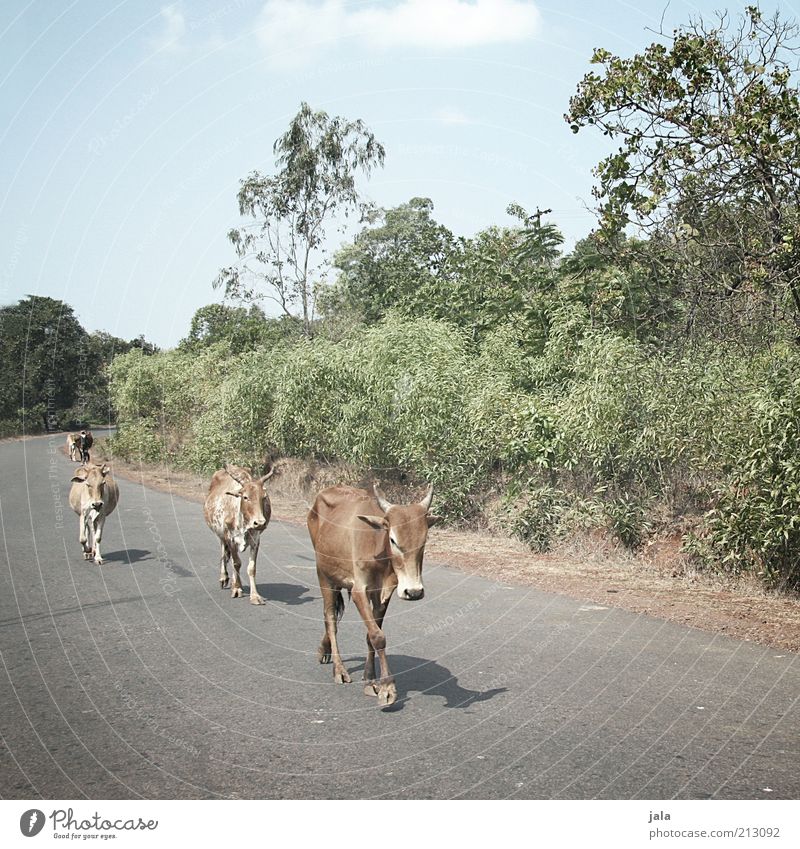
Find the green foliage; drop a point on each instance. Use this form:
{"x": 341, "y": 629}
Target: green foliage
{"x": 709, "y": 120}
{"x": 403, "y": 260}
{"x": 755, "y": 525}
{"x": 628, "y": 521}
{"x": 534, "y": 513}
{"x": 317, "y": 160}
{"x": 242, "y": 328}
{"x": 406, "y": 262}
{"x": 51, "y": 370}
{"x": 40, "y": 355}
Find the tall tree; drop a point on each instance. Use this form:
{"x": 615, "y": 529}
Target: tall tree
{"x": 40, "y": 360}
{"x": 398, "y": 261}
{"x": 281, "y": 253}
{"x": 709, "y": 119}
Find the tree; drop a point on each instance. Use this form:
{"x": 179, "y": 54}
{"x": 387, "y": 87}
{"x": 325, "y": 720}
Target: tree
{"x": 40, "y": 360}
{"x": 244, "y": 329}
{"x": 710, "y": 160}
{"x": 399, "y": 261}
{"x": 508, "y": 274}
{"x": 282, "y": 252}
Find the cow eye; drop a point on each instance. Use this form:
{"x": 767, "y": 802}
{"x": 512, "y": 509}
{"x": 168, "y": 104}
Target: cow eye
{"x": 393, "y": 541}
{"x": 245, "y": 498}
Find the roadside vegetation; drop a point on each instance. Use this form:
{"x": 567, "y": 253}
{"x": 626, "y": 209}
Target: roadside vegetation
{"x": 645, "y": 384}
{"x": 53, "y": 373}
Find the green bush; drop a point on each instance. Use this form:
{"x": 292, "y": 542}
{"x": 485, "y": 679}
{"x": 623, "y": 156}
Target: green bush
{"x": 534, "y": 514}
{"x": 755, "y": 525}
{"x": 596, "y": 430}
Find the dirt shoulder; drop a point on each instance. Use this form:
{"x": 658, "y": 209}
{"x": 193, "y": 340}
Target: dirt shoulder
{"x": 652, "y": 584}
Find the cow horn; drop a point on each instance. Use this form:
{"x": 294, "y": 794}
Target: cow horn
{"x": 381, "y": 498}
{"x": 426, "y": 501}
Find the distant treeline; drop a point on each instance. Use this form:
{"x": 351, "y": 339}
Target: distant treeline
{"x": 52, "y": 372}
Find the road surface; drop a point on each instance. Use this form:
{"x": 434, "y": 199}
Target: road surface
{"x": 141, "y": 678}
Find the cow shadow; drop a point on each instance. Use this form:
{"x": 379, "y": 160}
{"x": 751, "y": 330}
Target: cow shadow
{"x": 291, "y": 594}
{"x": 418, "y": 675}
{"x": 127, "y": 555}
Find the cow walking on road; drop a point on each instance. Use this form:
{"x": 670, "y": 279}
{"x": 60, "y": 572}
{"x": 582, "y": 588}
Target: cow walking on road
{"x": 74, "y": 447}
{"x": 94, "y": 496}
{"x": 86, "y": 442}
{"x": 368, "y": 546}
{"x": 237, "y": 509}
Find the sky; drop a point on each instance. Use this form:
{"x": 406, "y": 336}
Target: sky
{"x": 125, "y": 127}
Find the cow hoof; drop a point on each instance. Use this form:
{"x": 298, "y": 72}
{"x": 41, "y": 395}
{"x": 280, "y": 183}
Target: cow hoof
{"x": 223, "y": 583}
{"x": 236, "y": 592}
{"x": 256, "y": 599}
{"x": 387, "y": 695}
{"x": 99, "y": 561}
{"x": 342, "y": 677}
{"x": 370, "y": 689}
{"x": 87, "y": 555}
{"x": 324, "y": 654}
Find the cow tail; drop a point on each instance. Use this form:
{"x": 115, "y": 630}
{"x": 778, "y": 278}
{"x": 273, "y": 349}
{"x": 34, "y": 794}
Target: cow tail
{"x": 339, "y": 605}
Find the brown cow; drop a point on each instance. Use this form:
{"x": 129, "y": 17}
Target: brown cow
{"x": 369, "y": 547}
{"x": 73, "y": 447}
{"x": 237, "y": 509}
{"x": 94, "y": 495}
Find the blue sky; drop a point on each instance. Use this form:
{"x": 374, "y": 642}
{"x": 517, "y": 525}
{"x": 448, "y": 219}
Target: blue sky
{"x": 125, "y": 127}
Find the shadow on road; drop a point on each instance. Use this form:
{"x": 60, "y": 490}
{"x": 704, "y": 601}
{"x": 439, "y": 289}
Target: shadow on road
{"x": 127, "y": 555}
{"x": 415, "y": 674}
{"x": 290, "y": 594}
{"x": 80, "y": 609}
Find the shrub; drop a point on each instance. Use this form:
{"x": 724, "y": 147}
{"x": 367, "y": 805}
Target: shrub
{"x": 755, "y": 525}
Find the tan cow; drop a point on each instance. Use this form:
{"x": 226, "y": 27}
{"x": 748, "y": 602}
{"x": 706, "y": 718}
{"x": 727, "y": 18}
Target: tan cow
{"x": 74, "y": 447}
{"x": 94, "y": 496}
{"x": 369, "y": 547}
{"x": 237, "y": 509}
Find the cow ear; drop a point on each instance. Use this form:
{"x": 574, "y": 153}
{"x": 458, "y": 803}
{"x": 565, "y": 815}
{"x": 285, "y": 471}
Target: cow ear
{"x": 78, "y": 479}
{"x": 433, "y": 520}
{"x": 377, "y": 522}
{"x": 105, "y": 470}
{"x": 234, "y": 494}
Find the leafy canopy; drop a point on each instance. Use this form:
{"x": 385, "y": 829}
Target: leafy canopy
{"x": 709, "y": 120}
{"x": 281, "y": 253}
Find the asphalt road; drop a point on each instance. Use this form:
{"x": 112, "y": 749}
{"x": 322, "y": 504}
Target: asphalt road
{"x": 141, "y": 678}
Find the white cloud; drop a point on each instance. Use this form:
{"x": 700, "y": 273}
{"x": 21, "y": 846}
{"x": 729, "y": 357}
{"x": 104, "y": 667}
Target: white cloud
{"x": 173, "y": 28}
{"x": 451, "y": 116}
{"x": 296, "y": 29}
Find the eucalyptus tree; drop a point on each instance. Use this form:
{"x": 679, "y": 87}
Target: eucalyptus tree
{"x": 281, "y": 251}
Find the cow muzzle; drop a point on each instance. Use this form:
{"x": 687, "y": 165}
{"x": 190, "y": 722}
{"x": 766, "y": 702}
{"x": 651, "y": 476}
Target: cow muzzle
{"x": 412, "y": 594}
{"x": 97, "y": 505}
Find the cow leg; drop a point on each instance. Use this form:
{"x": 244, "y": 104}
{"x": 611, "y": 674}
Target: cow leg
{"x": 255, "y": 540}
{"x": 98, "y": 523}
{"x": 378, "y": 612}
{"x": 83, "y": 535}
{"x": 223, "y": 566}
{"x": 386, "y": 689}
{"x": 236, "y": 583}
{"x": 329, "y": 647}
